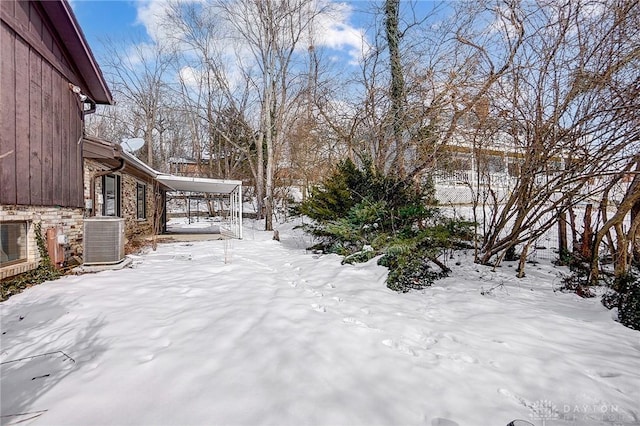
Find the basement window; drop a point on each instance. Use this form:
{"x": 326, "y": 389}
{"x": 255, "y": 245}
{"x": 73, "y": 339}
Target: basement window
{"x": 13, "y": 243}
{"x": 141, "y": 200}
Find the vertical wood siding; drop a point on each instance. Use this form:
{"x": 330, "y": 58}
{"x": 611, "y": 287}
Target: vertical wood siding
{"x": 8, "y": 112}
{"x": 40, "y": 157}
{"x": 22, "y": 104}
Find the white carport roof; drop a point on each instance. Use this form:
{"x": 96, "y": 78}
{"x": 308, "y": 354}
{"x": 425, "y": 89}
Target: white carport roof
{"x": 193, "y": 184}
{"x": 232, "y": 188}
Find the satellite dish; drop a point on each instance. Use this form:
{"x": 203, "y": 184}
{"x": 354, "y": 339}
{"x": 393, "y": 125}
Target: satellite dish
{"x": 132, "y": 144}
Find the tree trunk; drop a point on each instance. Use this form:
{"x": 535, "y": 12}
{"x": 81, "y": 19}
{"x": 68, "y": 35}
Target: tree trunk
{"x": 397, "y": 90}
{"x": 635, "y": 236}
{"x": 563, "y": 249}
{"x": 631, "y": 198}
{"x": 587, "y": 234}
{"x": 574, "y": 231}
{"x": 260, "y": 178}
{"x": 621, "y": 256}
{"x": 268, "y": 126}
{"x": 523, "y": 260}
{"x": 148, "y": 139}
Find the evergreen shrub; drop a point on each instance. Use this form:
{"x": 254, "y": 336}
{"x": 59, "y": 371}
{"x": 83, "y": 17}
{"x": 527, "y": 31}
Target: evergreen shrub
{"x": 360, "y": 213}
{"x": 625, "y": 295}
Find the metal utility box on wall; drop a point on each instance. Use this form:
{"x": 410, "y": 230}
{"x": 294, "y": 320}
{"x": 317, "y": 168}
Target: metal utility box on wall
{"x": 103, "y": 240}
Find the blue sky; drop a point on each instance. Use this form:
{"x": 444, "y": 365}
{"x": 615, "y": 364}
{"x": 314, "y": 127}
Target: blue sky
{"x": 101, "y": 19}
{"x": 129, "y": 19}
{"x": 345, "y": 34}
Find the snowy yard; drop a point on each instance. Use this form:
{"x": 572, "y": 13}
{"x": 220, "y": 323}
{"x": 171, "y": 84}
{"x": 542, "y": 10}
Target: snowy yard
{"x": 279, "y": 336}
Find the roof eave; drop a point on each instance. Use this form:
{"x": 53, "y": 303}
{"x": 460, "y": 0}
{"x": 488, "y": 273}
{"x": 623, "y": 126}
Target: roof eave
{"x": 72, "y": 36}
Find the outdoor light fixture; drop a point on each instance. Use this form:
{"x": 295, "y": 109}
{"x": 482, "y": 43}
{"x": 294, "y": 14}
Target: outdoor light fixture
{"x": 75, "y": 89}
{"x": 83, "y": 98}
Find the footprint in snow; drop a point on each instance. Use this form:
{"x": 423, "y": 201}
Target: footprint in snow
{"x": 495, "y": 364}
{"x": 443, "y": 422}
{"x": 400, "y": 347}
{"x": 314, "y": 292}
{"x": 516, "y": 398}
{"x": 451, "y": 337}
{"x": 603, "y": 374}
{"x": 464, "y": 357}
{"x": 164, "y": 343}
{"x": 430, "y": 341}
{"x": 145, "y": 358}
{"x": 318, "y": 308}
{"x": 608, "y": 374}
{"x": 351, "y": 320}
{"x": 157, "y": 333}
{"x": 158, "y": 344}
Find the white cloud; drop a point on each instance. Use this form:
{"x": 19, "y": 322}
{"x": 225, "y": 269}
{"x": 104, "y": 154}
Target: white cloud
{"x": 504, "y": 23}
{"x": 152, "y": 15}
{"x": 331, "y": 29}
{"x": 191, "y": 76}
{"x": 592, "y": 10}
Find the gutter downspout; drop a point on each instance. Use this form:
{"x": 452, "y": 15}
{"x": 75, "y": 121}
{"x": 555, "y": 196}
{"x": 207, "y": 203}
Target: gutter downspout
{"x": 92, "y": 182}
{"x": 84, "y": 99}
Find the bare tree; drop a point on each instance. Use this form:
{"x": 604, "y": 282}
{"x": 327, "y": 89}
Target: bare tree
{"x": 217, "y": 93}
{"x": 138, "y": 73}
{"x": 272, "y": 31}
{"x": 555, "y": 103}
{"x": 249, "y": 48}
{"x": 421, "y": 79}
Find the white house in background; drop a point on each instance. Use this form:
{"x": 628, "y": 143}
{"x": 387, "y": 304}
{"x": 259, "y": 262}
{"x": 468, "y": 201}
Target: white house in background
{"x": 457, "y": 172}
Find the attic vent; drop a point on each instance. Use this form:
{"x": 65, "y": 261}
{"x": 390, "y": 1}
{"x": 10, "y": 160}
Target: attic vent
{"x": 103, "y": 240}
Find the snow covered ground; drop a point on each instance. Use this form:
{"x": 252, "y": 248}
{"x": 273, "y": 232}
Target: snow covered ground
{"x": 198, "y": 225}
{"x": 260, "y": 332}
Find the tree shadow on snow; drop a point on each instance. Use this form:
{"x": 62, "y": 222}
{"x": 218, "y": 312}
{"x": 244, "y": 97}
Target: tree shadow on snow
{"x": 30, "y": 369}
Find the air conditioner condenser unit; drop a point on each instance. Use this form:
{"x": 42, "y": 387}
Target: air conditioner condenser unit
{"x": 103, "y": 240}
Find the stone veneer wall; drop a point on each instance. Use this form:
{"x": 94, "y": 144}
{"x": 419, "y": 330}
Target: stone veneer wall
{"x": 134, "y": 227}
{"x": 90, "y": 168}
{"x": 70, "y": 219}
